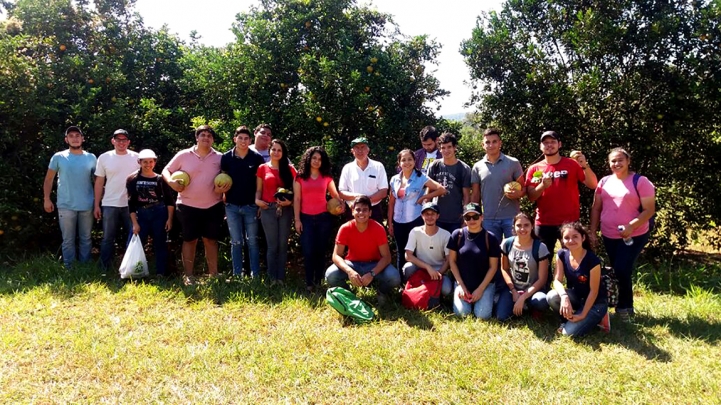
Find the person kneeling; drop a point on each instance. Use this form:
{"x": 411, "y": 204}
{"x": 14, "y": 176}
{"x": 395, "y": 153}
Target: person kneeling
{"x": 368, "y": 259}
{"x": 427, "y": 249}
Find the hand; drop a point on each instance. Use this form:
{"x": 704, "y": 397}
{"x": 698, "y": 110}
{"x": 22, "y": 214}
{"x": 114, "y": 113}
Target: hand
{"x": 576, "y": 318}
{"x": 515, "y": 294}
{"x": 176, "y": 186}
{"x": 366, "y": 279}
{"x": 169, "y": 225}
{"x": 283, "y": 203}
{"x": 513, "y": 194}
{"x": 136, "y": 229}
{"x": 477, "y": 294}
{"x": 577, "y": 155}
{"x": 390, "y": 229}
{"x": 298, "y": 226}
{"x": 48, "y": 206}
{"x": 223, "y": 189}
{"x": 627, "y": 232}
{"x": 566, "y": 308}
{"x": 424, "y": 199}
{"x": 518, "y": 307}
{"x": 547, "y": 180}
{"x": 355, "y": 278}
{"x": 434, "y": 274}
{"x": 464, "y": 295}
{"x": 97, "y": 213}
{"x": 261, "y": 204}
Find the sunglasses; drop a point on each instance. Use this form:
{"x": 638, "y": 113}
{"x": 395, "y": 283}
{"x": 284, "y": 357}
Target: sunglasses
{"x": 474, "y": 217}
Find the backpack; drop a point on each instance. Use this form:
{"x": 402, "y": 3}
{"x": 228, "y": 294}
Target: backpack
{"x": 609, "y": 280}
{"x": 652, "y": 220}
{"x": 421, "y": 291}
{"x": 347, "y": 304}
{"x": 508, "y": 244}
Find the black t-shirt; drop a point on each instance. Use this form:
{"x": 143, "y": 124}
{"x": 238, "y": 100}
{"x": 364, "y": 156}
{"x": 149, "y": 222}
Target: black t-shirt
{"x": 579, "y": 279}
{"x": 243, "y": 172}
{"x": 145, "y": 191}
{"x": 472, "y": 257}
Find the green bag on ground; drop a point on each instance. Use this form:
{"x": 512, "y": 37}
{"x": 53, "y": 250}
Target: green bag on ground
{"x": 346, "y": 303}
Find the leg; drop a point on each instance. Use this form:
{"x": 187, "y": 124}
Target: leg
{"x": 507, "y": 226}
{"x": 387, "y": 280}
{"x": 402, "y": 230}
{"x": 408, "y": 270}
{"x": 447, "y": 286}
{"x": 494, "y": 226}
{"x": 160, "y": 247}
{"x": 483, "y": 308}
{"x": 324, "y": 231}
{"x": 548, "y": 234}
{"x": 307, "y": 238}
{"x": 588, "y": 324}
{"x": 336, "y": 277}
{"x": 235, "y": 228}
{"x": 250, "y": 220}
{"x": 68, "y": 220}
{"x": 284, "y": 224}
{"x": 504, "y": 309}
{"x": 460, "y": 307}
{"x": 538, "y": 301}
{"x": 270, "y": 228}
{"x": 126, "y": 223}
{"x": 111, "y": 223}
{"x": 211, "y": 255}
{"x": 85, "y": 228}
{"x": 189, "y": 256}
{"x": 623, "y": 260}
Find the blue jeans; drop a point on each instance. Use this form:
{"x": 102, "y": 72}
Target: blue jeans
{"x": 74, "y": 223}
{"x": 277, "y": 232}
{"x": 152, "y": 222}
{"x": 400, "y": 234}
{"x": 243, "y": 227}
{"x": 500, "y": 228}
{"x": 113, "y": 219}
{"x": 580, "y": 328}
{"x": 314, "y": 240}
{"x": 483, "y": 308}
{"x": 623, "y": 260}
{"x": 504, "y": 308}
{"x": 385, "y": 281}
{"x": 410, "y": 268}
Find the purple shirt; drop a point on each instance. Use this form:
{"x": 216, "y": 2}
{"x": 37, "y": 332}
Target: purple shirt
{"x": 202, "y": 171}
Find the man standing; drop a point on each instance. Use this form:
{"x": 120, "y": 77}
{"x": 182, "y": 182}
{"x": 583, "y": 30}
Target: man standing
{"x": 363, "y": 176}
{"x": 553, "y": 184}
{"x": 241, "y": 164}
{"x": 199, "y": 205}
{"x": 75, "y": 168}
{"x": 111, "y": 173}
{"x": 427, "y": 249}
{"x": 263, "y": 135}
{"x": 429, "y": 151}
{"x": 488, "y": 177}
{"x": 455, "y": 176}
{"x": 368, "y": 259}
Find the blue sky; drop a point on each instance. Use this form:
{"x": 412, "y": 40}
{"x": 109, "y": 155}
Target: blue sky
{"x": 448, "y": 22}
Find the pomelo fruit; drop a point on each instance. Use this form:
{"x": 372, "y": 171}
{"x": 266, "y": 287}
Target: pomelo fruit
{"x": 334, "y": 206}
{"x": 181, "y": 177}
{"x": 510, "y": 186}
{"x": 222, "y": 179}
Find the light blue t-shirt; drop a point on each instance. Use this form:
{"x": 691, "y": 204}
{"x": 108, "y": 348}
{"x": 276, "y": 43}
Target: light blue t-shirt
{"x": 75, "y": 183}
{"x": 407, "y": 209}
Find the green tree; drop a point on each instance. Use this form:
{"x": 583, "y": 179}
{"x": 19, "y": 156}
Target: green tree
{"x": 639, "y": 74}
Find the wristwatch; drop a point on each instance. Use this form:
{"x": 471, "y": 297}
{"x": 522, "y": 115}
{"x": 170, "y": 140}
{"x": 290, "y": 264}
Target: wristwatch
{"x": 373, "y": 273}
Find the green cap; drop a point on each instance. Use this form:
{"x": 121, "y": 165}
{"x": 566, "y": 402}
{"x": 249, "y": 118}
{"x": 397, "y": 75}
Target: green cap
{"x": 360, "y": 139}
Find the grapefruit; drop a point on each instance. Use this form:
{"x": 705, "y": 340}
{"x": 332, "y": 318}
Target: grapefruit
{"x": 334, "y": 206}
{"x": 181, "y": 177}
{"x": 510, "y": 186}
{"x": 222, "y": 179}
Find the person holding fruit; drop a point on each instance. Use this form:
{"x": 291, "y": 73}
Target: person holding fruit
{"x": 273, "y": 197}
{"x": 241, "y": 164}
{"x": 553, "y": 185}
{"x": 623, "y": 206}
{"x": 495, "y": 183}
{"x": 199, "y": 205}
{"x": 74, "y": 168}
{"x": 408, "y": 194}
{"x": 474, "y": 256}
{"x": 312, "y": 221}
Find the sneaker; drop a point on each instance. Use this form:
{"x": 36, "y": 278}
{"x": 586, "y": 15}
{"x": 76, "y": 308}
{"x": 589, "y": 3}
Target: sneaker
{"x": 624, "y": 315}
{"x": 605, "y": 323}
{"x": 189, "y": 280}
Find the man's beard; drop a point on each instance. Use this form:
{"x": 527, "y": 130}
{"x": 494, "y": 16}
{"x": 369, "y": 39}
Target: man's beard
{"x": 551, "y": 154}
{"x": 76, "y": 147}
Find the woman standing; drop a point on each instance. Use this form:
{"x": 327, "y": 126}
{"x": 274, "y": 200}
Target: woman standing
{"x": 623, "y": 205}
{"x": 583, "y": 301}
{"x": 524, "y": 266}
{"x": 406, "y": 199}
{"x": 312, "y": 221}
{"x": 274, "y": 199}
{"x": 474, "y": 262}
{"x": 151, "y": 204}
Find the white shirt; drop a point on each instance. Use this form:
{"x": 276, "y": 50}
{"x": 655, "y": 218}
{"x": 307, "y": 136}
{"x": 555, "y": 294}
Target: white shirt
{"x": 116, "y": 169}
{"x": 429, "y": 249}
{"x": 367, "y": 182}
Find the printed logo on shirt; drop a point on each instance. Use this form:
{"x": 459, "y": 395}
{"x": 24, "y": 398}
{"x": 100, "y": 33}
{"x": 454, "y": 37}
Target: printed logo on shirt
{"x": 558, "y": 174}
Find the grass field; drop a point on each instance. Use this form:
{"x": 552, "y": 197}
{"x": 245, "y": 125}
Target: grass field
{"x": 80, "y": 337}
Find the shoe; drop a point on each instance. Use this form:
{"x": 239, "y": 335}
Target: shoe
{"x": 605, "y": 323}
{"x": 624, "y": 316}
{"x": 189, "y": 281}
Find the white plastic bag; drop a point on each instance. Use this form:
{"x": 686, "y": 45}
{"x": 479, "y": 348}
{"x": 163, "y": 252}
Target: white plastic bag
{"x": 134, "y": 264}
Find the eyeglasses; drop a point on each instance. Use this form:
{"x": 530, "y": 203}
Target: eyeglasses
{"x": 475, "y": 217}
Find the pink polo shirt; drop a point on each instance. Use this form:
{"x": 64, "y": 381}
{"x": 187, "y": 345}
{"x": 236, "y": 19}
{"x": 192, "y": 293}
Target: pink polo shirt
{"x": 202, "y": 171}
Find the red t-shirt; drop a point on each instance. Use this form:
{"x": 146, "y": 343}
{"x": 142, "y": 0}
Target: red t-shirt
{"x": 312, "y": 194}
{"x": 271, "y": 181}
{"x": 559, "y": 203}
{"x": 362, "y": 246}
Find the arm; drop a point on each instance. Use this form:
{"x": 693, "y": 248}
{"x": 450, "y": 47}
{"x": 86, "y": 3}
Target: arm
{"x": 566, "y": 308}
{"x": 466, "y": 195}
{"x": 452, "y": 261}
{"x": 535, "y": 192}
{"x": 380, "y": 266}
{"x": 47, "y": 189}
{"x": 296, "y": 206}
{"x": 391, "y": 209}
{"x": 258, "y": 193}
{"x": 596, "y": 209}
{"x": 649, "y": 208}
{"x": 377, "y": 196}
{"x": 591, "y": 179}
{"x": 476, "y": 193}
{"x": 594, "y": 284}
{"x": 99, "y": 184}
{"x": 134, "y": 220}
{"x": 169, "y": 222}
{"x": 172, "y": 183}
{"x": 492, "y": 269}
{"x": 435, "y": 190}
{"x": 353, "y": 276}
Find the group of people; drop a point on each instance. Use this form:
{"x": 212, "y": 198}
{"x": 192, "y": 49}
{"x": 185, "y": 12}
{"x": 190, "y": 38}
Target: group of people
{"x": 461, "y": 224}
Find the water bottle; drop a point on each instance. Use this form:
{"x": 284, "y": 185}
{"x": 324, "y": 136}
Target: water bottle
{"x": 628, "y": 241}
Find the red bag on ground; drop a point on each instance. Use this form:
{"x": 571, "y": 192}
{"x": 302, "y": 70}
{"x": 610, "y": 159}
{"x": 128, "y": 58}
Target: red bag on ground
{"x": 421, "y": 291}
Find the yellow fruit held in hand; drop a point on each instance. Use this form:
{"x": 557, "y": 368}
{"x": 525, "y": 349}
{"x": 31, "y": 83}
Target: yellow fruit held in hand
{"x": 222, "y": 179}
{"x": 181, "y": 177}
{"x": 510, "y": 186}
{"x": 334, "y": 206}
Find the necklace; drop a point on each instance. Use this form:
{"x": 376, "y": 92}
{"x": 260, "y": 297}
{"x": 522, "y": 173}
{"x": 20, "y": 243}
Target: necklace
{"x": 476, "y": 236}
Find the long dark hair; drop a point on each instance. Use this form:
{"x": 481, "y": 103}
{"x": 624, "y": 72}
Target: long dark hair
{"x": 410, "y": 152}
{"x": 522, "y": 215}
{"x": 286, "y": 176}
{"x": 578, "y": 227}
{"x": 304, "y": 172}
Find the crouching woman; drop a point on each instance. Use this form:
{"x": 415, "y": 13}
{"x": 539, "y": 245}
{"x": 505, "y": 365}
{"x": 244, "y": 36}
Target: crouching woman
{"x": 582, "y": 303}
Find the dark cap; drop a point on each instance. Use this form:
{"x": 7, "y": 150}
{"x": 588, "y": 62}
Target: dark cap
{"x": 552, "y": 134}
{"x": 472, "y": 207}
{"x": 120, "y": 132}
{"x": 430, "y": 206}
{"x": 73, "y": 128}
{"x": 359, "y": 140}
